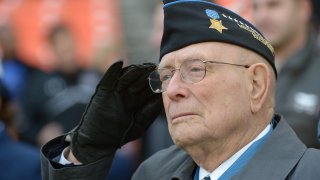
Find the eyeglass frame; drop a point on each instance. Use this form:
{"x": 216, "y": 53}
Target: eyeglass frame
{"x": 182, "y": 78}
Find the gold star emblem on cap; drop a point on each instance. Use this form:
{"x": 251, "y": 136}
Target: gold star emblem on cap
{"x": 215, "y": 24}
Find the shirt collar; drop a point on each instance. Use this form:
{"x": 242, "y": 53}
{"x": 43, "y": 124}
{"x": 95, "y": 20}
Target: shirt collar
{"x": 226, "y": 164}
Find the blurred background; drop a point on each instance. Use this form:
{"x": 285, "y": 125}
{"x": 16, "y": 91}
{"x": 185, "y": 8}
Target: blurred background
{"x": 53, "y": 53}
{"x": 102, "y": 28}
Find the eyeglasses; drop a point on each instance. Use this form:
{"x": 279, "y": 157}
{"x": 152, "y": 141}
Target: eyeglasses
{"x": 191, "y": 71}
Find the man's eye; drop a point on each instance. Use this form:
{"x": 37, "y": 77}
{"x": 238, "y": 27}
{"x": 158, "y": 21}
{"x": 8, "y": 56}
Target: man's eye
{"x": 196, "y": 69}
{"x": 165, "y": 77}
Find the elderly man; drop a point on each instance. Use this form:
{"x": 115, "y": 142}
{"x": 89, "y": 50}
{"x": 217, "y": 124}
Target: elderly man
{"x": 217, "y": 78}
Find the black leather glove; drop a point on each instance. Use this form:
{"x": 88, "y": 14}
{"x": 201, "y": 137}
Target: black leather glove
{"x": 121, "y": 110}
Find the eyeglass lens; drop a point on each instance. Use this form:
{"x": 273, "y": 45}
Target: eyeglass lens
{"x": 191, "y": 71}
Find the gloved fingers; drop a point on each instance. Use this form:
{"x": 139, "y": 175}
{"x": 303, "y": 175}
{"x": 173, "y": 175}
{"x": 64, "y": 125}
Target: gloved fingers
{"x": 140, "y": 85}
{"x": 144, "y": 118}
{"x": 111, "y": 76}
{"x": 149, "y": 111}
{"x": 134, "y": 77}
{"x": 135, "y": 99}
{"x": 108, "y": 80}
{"x": 144, "y": 66}
{"x": 138, "y": 91}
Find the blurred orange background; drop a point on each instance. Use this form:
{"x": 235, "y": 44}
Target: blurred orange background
{"x": 94, "y": 23}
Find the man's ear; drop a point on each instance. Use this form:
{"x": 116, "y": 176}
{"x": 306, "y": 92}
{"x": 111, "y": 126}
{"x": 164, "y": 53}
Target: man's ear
{"x": 259, "y": 85}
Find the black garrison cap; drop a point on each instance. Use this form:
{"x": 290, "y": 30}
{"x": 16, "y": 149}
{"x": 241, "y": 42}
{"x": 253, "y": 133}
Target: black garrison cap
{"x": 188, "y": 22}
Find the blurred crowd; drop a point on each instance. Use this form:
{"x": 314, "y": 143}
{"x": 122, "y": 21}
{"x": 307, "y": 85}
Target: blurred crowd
{"x": 37, "y": 105}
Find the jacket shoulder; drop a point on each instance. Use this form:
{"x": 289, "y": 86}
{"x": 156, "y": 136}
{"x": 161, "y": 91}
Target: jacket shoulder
{"x": 163, "y": 164}
{"x": 308, "y": 166}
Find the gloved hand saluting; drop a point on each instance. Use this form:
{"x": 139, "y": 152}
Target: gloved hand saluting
{"x": 121, "y": 109}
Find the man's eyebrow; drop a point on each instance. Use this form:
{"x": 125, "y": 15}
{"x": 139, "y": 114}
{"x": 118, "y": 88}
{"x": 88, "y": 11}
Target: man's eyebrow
{"x": 161, "y": 66}
{"x": 192, "y": 56}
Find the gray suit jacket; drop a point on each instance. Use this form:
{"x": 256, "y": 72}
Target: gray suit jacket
{"x": 282, "y": 156}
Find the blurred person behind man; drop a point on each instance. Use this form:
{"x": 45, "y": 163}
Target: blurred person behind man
{"x": 15, "y": 68}
{"x": 18, "y": 160}
{"x": 16, "y": 71}
{"x": 54, "y": 101}
{"x": 286, "y": 24}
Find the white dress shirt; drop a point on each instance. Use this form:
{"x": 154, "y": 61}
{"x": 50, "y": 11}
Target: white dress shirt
{"x": 214, "y": 175}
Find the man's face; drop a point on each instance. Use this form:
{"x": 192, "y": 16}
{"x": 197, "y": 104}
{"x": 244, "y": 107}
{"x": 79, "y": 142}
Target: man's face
{"x": 278, "y": 20}
{"x": 216, "y": 107}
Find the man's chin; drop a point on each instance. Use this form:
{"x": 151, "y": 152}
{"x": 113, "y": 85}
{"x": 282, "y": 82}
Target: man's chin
{"x": 183, "y": 140}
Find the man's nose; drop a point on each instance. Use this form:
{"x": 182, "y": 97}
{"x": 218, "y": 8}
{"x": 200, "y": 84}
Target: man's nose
{"x": 177, "y": 87}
